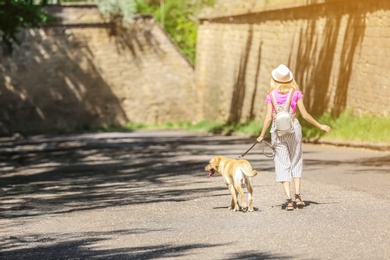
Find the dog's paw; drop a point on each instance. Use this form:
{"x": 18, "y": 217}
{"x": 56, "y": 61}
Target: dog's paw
{"x": 248, "y": 209}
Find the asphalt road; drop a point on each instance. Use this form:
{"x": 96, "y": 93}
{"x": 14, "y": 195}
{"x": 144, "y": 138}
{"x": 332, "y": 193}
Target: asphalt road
{"x": 145, "y": 195}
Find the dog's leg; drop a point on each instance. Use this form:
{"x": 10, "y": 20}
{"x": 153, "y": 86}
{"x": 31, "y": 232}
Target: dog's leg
{"x": 243, "y": 183}
{"x": 234, "y": 203}
{"x": 250, "y": 194}
{"x": 242, "y": 196}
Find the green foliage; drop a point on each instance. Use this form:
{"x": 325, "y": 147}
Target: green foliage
{"x": 250, "y": 128}
{"x": 179, "y": 19}
{"x": 16, "y": 14}
{"x": 135, "y": 126}
{"x": 207, "y": 126}
{"x": 348, "y": 127}
{"x": 123, "y": 10}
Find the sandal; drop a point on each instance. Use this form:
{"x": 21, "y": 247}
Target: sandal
{"x": 289, "y": 205}
{"x": 298, "y": 201}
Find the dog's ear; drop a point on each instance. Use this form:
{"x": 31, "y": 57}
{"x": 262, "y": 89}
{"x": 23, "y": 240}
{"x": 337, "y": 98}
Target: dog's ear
{"x": 212, "y": 160}
{"x": 217, "y": 160}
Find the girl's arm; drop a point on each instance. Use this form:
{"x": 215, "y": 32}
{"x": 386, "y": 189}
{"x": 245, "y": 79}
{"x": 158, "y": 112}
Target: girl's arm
{"x": 266, "y": 124}
{"x": 310, "y": 119}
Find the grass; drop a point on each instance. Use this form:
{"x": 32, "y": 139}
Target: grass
{"x": 346, "y": 127}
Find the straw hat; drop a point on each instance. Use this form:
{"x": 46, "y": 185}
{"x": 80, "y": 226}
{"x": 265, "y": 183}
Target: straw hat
{"x": 282, "y": 74}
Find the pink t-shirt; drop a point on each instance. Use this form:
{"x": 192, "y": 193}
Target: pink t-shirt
{"x": 281, "y": 98}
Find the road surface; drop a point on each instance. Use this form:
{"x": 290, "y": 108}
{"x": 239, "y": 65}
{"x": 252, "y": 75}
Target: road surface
{"x": 145, "y": 195}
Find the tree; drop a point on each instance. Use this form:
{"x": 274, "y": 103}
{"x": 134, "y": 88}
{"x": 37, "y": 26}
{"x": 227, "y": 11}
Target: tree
{"x": 117, "y": 9}
{"x": 179, "y": 19}
{"x": 16, "y": 14}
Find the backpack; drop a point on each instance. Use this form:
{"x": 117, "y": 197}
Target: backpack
{"x": 283, "y": 119}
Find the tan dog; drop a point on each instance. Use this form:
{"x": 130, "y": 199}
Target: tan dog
{"x": 236, "y": 175}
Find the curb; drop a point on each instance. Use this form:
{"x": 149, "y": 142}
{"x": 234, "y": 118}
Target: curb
{"x": 371, "y": 146}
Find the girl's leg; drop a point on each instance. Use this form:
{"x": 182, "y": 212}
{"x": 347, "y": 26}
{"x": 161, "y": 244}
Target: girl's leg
{"x": 297, "y": 185}
{"x": 286, "y": 188}
{"x": 282, "y": 160}
{"x": 296, "y": 154}
{"x": 296, "y": 163}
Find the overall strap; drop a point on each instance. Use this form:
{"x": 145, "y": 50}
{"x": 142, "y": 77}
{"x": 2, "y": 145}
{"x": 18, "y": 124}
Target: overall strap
{"x": 288, "y": 103}
{"x": 273, "y": 99}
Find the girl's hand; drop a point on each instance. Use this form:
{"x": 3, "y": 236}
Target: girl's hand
{"x": 326, "y": 128}
{"x": 259, "y": 139}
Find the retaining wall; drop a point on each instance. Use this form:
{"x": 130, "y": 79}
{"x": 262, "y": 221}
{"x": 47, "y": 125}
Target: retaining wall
{"x": 83, "y": 72}
{"x": 338, "y": 51}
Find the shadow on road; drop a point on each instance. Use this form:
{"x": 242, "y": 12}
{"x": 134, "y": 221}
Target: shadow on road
{"x": 49, "y": 175}
{"x": 77, "y": 246}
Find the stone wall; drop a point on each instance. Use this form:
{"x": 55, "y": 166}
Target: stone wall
{"x": 337, "y": 49}
{"x": 83, "y": 72}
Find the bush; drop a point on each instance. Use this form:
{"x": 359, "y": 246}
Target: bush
{"x": 179, "y": 19}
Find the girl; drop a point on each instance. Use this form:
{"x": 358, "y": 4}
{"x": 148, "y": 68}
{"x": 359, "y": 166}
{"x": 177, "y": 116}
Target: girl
{"x": 288, "y": 147}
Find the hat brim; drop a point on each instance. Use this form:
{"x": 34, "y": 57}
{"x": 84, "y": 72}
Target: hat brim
{"x": 275, "y": 77}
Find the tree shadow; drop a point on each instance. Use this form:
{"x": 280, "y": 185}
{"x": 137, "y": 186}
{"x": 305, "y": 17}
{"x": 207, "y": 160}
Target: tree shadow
{"x": 371, "y": 162}
{"x": 377, "y": 161}
{"x": 313, "y": 53}
{"x": 352, "y": 40}
{"x": 252, "y": 113}
{"x": 255, "y": 255}
{"x": 80, "y": 246}
{"x": 316, "y": 70}
{"x": 138, "y": 38}
{"x": 314, "y": 62}
{"x": 239, "y": 88}
{"x": 75, "y": 102}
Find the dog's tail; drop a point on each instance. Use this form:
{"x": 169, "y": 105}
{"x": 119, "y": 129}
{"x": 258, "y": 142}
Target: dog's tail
{"x": 248, "y": 171}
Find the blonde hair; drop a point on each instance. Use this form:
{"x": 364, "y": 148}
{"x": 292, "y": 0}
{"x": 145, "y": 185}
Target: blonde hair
{"x": 283, "y": 87}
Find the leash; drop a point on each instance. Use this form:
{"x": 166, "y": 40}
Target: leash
{"x": 247, "y": 150}
{"x": 272, "y": 154}
{"x": 269, "y": 155}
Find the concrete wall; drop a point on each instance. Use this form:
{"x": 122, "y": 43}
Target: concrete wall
{"x": 83, "y": 72}
{"x": 338, "y": 50}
